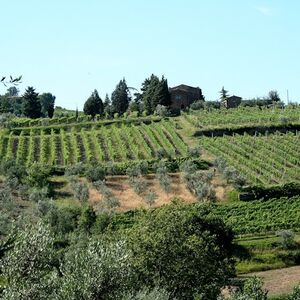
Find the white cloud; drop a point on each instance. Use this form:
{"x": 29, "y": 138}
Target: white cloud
{"x": 264, "y": 10}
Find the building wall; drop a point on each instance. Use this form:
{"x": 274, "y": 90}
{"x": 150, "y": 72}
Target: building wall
{"x": 182, "y": 99}
{"x": 233, "y": 101}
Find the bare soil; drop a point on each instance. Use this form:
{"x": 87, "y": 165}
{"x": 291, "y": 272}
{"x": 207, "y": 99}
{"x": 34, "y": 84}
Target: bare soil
{"x": 130, "y": 200}
{"x": 280, "y": 281}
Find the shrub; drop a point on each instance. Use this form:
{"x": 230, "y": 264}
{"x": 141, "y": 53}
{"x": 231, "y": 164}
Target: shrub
{"x": 95, "y": 173}
{"x": 38, "y": 175}
{"x": 77, "y": 169}
{"x": 87, "y": 218}
{"x": 252, "y": 290}
{"x": 194, "y": 152}
{"x": 162, "y": 111}
{"x": 150, "y": 198}
{"x": 38, "y": 194}
{"x": 286, "y": 239}
{"x": 80, "y": 191}
{"x": 197, "y": 105}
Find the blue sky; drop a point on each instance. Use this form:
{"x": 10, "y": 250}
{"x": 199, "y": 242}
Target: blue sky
{"x": 70, "y": 47}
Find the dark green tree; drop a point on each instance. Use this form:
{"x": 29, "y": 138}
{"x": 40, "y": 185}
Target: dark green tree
{"x": 93, "y": 105}
{"x": 162, "y": 95}
{"x": 155, "y": 92}
{"x": 223, "y": 94}
{"x": 12, "y": 92}
{"x": 31, "y": 103}
{"x": 187, "y": 250}
{"x": 87, "y": 218}
{"x": 47, "y": 104}
{"x": 274, "y": 96}
{"x": 149, "y": 88}
{"x": 120, "y": 98}
{"x": 106, "y": 102}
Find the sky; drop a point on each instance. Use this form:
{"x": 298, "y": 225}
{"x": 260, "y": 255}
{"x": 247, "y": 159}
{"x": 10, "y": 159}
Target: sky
{"x": 71, "y": 47}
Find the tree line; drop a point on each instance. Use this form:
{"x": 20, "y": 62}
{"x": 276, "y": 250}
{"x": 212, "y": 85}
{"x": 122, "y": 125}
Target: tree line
{"x": 30, "y": 104}
{"x": 154, "y": 92}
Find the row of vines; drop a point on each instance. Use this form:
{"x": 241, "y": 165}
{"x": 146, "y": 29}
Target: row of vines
{"x": 262, "y": 216}
{"x": 263, "y": 160}
{"x": 107, "y": 143}
{"x": 242, "y": 116}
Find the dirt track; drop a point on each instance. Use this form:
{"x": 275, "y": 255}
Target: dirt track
{"x": 280, "y": 281}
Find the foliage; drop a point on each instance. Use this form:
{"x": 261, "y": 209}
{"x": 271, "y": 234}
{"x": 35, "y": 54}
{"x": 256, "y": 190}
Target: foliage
{"x": 189, "y": 247}
{"x": 162, "y": 110}
{"x": 261, "y": 215}
{"x": 155, "y": 92}
{"x": 252, "y": 290}
{"x": 93, "y": 105}
{"x": 223, "y": 94}
{"x": 296, "y": 294}
{"x": 163, "y": 177}
{"x": 47, "y": 101}
{"x": 95, "y": 173}
{"x": 27, "y": 266}
{"x": 274, "y": 96}
{"x": 262, "y": 160}
{"x": 40, "y": 194}
{"x": 37, "y": 175}
{"x": 87, "y": 218}
{"x": 150, "y": 198}
{"x": 146, "y": 294}
{"x": 32, "y": 105}
{"x": 120, "y": 98}
{"x": 287, "y": 239}
{"x": 80, "y": 190}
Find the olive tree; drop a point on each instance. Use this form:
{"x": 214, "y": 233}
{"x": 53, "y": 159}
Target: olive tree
{"x": 186, "y": 249}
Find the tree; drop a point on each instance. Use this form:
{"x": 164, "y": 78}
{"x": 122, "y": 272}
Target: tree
{"x": 274, "y": 96}
{"x": 87, "y": 218}
{"x": 224, "y": 94}
{"x": 93, "y": 105}
{"x": 162, "y": 95}
{"x": 186, "y": 249}
{"x": 31, "y": 104}
{"x": 28, "y": 267}
{"x": 155, "y": 92}
{"x": 47, "y": 101}
{"x": 12, "y": 92}
{"x": 120, "y": 98}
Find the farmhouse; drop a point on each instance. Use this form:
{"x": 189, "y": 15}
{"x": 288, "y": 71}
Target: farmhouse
{"x": 232, "y": 101}
{"x": 183, "y": 96}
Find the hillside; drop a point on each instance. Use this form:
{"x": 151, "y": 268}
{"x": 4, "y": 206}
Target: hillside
{"x": 123, "y": 165}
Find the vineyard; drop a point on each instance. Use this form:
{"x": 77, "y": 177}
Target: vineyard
{"x": 264, "y": 160}
{"x": 262, "y": 216}
{"x": 117, "y": 142}
{"x": 242, "y": 116}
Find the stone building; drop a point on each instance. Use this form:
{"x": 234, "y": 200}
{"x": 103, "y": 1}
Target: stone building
{"x": 183, "y": 96}
{"x": 232, "y": 101}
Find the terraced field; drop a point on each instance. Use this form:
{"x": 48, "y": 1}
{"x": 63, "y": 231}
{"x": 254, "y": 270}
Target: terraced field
{"x": 118, "y": 142}
{"x": 263, "y": 159}
{"x": 242, "y": 116}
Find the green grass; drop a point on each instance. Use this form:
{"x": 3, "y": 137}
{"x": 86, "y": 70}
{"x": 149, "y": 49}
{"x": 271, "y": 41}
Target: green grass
{"x": 261, "y": 253}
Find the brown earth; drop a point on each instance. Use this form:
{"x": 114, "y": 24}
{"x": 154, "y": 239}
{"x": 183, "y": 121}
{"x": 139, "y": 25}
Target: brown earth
{"x": 280, "y": 281}
{"x": 130, "y": 200}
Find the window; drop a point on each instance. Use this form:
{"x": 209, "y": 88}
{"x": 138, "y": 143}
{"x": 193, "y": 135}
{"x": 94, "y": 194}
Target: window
{"x": 178, "y": 97}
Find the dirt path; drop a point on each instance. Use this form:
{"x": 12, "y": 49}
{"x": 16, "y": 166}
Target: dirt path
{"x": 280, "y": 281}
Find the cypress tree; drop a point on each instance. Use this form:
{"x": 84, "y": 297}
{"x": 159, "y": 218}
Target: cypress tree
{"x": 31, "y": 104}
{"x": 120, "y": 98}
{"x": 93, "y": 105}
